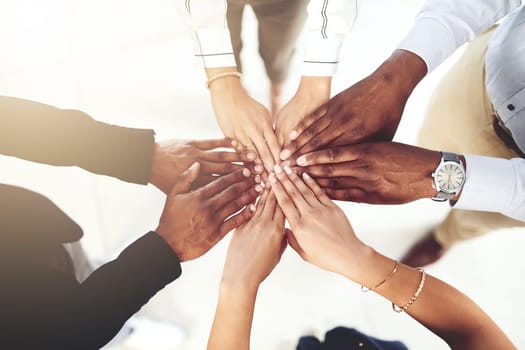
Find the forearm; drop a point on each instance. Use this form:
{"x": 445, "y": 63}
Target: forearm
{"x": 441, "y": 308}
{"x": 45, "y": 134}
{"x": 233, "y": 317}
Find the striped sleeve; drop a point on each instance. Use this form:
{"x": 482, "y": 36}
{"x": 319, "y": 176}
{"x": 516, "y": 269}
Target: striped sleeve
{"x": 329, "y": 21}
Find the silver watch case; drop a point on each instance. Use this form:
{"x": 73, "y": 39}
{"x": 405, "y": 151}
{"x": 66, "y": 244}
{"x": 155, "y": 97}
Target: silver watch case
{"x": 443, "y": 193}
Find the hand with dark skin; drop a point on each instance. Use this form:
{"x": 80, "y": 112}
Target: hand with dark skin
{"x": 193, "y": 222}
{"x": 171, "y": 158}
{"x": 375, "y": 172}
{"x": 367, "y": 111}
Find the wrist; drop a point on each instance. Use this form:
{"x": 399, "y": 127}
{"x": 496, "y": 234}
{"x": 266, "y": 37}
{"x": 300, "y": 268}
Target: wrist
{"x": 238, "y": 287}
{"x": 315, "y": 87}
{"x": 403, "y": 70}
{"x": 224, "y": 84}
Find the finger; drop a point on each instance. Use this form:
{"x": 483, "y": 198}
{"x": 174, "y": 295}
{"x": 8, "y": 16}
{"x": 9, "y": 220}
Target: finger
{"x": 273, "y": 144}
{"x": 230, "y": 194}
{"x": 292, "y": 241}
{"x": 269, "y": 206}
{"x": 223, "y": 182}
{"x": 228, "y": 157}
{"x": 261, "y": 203}
{"x": 211, "y": 143}
{"x": 184, "y": 180}
{"x": 307, "y": 128}
{"x": 321, "y": 196}
{"x": 237, "y": 204}
{"x": 284, "y": 200}
{"x": 235, "y": 221}
{"x": 202, "y": 180}
{"x": 264, "y": 152}
{"x": 237, "y": 146}
{"x": 330, "y": 155}
{"x": 291, "y": 189}
{"x": 336, "y": 183}
{"x": 357, "y": 195}
{"x": 219, "y": 168}
{"x": 356, "y": 169}
{"x": 305, "y": 191}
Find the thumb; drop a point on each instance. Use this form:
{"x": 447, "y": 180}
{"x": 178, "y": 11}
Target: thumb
{"x": 185, "y": 179}
{"x": 292, "y": 241}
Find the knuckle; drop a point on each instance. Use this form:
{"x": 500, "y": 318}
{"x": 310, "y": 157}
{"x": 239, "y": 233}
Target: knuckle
{"x": 334, "y": 183}
{"x": 327, "y": 169}
{"x": 311, "y": 130}
{"x": 315, "y": 143}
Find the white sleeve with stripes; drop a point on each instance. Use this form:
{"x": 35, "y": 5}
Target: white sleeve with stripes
{"x": 329, "y": 21}
{"x": 211, "y": 37}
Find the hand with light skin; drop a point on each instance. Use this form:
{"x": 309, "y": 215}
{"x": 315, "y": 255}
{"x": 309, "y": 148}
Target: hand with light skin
{"x": 254, "y": 251}
{"x": 375, "y": 172}
{"x": 242, "y": 118}
{"x": 171, "y": 158}
{"x": 367, "y": 111}
{"x": 323, "y": 236}
{"x": 311, "y": 93}
{"x": 193, "y": 222}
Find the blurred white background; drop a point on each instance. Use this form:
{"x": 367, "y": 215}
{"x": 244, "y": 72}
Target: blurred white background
{"x": 131, "y": 63}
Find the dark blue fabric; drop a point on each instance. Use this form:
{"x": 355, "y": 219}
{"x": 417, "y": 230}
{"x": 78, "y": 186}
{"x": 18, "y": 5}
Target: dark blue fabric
{"x": 342, "y": 338}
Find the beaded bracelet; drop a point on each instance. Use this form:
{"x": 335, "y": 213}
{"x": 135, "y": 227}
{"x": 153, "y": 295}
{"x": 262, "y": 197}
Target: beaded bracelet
{"x": 415, "y": 296}
{"x": 221, "y": 75}
{"x": 364, "y": 289}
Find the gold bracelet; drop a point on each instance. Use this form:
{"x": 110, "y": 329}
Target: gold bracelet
{"x": 221, "y": 75}
{"x": 416, "y": 294}
{"x": 364, "y": 289}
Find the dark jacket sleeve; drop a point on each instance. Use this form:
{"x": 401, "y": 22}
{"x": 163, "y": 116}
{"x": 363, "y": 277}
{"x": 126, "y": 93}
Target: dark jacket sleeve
{"x": 46, "y": 309}
{"x": 46, "y": 134}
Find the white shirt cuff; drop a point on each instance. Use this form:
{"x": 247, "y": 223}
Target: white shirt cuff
{"x": 494, "y": 185}
{"x": 321, "y": 56}
{"x": 430, "y": 40}
{"x": 213, "y": 48}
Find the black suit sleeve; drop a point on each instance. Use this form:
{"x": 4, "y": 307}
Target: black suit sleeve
{"x": 46, "y": 134}
{"x": 48, "y": 309}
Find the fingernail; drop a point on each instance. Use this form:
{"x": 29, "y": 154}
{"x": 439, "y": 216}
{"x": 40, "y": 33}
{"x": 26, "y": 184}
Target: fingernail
{"x": 258, "y": 168}
{"x": 258, "y": 188}
{"x": 288, "y": 170}
{"x": 286, "y": 163}
{"x": 234, "y": 143}
{"x": 246, "y": 172}
{"x": 306, "y": 176}
{"x": 251, "y": 155}
{"x": 277, "y": 168}
{"x": 285, "y": 154}
{"x": 257, "y": 179}
{"x": 272, "y": 178}
{"x": 262, "y": 184}
{"x": 293, "y": 134}
{"x": 252, "y": 207}
{"x": 302, "y": 161}
{"x": 194, "y": 165}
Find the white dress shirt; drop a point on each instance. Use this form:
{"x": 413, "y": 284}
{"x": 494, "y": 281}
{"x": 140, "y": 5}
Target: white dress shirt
{"x": 328, "y": 23}
{"x": 492, "y": 184}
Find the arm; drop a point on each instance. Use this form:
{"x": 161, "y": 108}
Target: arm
{"x": 239, "y": 116}
{"x": 46, "y": 134}
{"x": 64, "y": 314}
{"x": 332, "y": 245}
{"x": 372, "y": 108}
{"x": 255, "y": 249}
{"x": 327, "y": 26}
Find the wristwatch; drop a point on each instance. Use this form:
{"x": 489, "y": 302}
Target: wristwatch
{"x": 449, "y": 177}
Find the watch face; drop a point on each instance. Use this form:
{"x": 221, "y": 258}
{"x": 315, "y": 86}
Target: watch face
{"x": 450, "y": 177}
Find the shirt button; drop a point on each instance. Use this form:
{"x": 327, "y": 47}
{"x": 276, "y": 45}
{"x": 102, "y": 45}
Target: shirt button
{"x": 510, "y": 107}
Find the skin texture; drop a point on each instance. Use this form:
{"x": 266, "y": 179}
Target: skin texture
{"x": 242, "y": 118}
{"x": 376, "y": 172}
{"x": 254, "y": 251}
{"x": 311, "y": 93}
{"x": 171, "y": 158}
{"x": 193, "y": 222}
{"x": 369, "y": 110}
{"x": 323, "y": 236}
